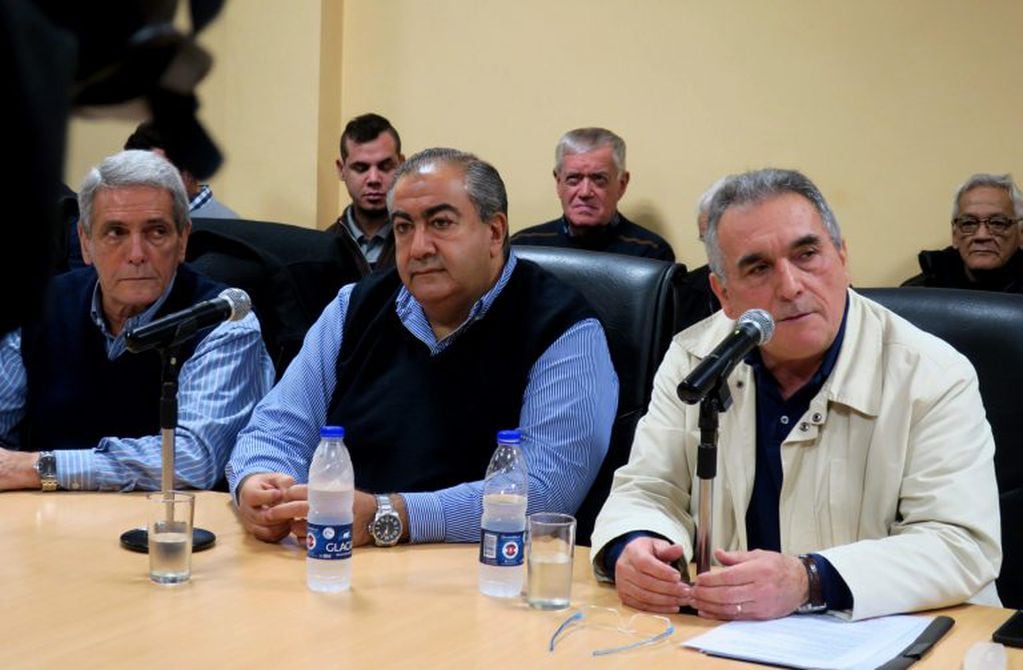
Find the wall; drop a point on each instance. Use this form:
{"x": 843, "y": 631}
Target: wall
{"x": 887, "y": 106}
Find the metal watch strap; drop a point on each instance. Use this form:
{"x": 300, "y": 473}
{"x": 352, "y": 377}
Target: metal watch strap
{"x": 46, "y": 468}
{"x": 384, "y": 505}
{"x": 384, "y": 508}
{"x": 815, "y": 602}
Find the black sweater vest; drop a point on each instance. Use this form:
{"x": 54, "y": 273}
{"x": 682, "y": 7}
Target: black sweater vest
{"x": 416, "y": 422}
{"x": 76, "y": 395}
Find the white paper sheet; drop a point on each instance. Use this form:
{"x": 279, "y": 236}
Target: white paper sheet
{"x": 817, "y": 641}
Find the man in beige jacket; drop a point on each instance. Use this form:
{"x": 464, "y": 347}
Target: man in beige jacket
{"x": 855, "y": 467}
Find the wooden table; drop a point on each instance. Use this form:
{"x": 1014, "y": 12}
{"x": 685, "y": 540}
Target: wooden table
{"x": 71, "y": 597}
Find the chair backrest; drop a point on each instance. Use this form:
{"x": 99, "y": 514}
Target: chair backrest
{"x": 987, "y": 328}
{"x": 635, "y": 300}
{"x": 289, "y": 272}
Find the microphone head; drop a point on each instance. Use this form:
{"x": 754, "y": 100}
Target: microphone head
{"x": 241, "y": 305}
{"x": 759, "y": 319}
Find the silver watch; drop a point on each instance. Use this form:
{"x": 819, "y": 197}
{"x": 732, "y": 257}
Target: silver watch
{"x": 386, "y": 526}
{"x": 46, "y": 468}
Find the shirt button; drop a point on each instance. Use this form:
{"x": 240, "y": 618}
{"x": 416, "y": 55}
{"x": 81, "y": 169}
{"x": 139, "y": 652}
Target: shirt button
{"x": 785, "y": 420}
{"x": 739, "y": 384}
{"x": 817, "y": 417}
{"x": 804, "y": 426}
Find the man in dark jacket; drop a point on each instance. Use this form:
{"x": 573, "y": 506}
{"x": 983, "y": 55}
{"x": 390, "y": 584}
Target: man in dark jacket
{"x": 590, "y": 175}
{"x": 370, "y": 153}
{"x": 985, "y": 253}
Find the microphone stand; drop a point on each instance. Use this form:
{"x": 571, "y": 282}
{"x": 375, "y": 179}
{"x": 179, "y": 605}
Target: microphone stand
{"x": 714, "y": 403}
{"x": 137, "y": 539}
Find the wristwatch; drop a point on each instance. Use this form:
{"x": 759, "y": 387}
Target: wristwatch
{"x": 386, "y": 526}
{"x": 46, "y": 468}
{"x": 815, "y": 601}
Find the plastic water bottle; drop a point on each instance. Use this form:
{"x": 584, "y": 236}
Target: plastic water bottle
{"x": 503, "y": 526}
{"x": 329, "y": 524}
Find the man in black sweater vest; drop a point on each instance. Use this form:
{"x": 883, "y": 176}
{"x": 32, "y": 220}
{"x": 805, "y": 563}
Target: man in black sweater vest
{"x": 79, "y": 411}
{"x": 424, "y": 363}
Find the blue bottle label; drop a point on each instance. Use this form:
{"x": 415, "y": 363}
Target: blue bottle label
{"x": 328, "y": 542}
{"x": 502, "y": 549}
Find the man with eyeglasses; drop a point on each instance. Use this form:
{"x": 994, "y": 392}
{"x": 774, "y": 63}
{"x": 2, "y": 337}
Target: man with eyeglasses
{"x": 985, "y": 253}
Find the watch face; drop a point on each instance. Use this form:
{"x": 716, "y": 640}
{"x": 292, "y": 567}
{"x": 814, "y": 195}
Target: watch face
{"x": 387, "y": 529}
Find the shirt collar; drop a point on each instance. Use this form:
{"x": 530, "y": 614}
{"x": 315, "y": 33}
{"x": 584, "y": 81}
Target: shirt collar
{"x": 140, "y": 319}
{"x": 204, "y": 195}
{"x": 414, "y": 319}
{"x": 755, "y": 359}
{"x": 349, "y": 222}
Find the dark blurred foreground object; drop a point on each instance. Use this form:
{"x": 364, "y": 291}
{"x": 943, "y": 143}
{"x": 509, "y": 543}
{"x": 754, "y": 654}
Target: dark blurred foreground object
{"x": 55, "y": 56}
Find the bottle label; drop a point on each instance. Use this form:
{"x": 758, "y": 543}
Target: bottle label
{"x": 502, "y": 549}
{"x": 328, "y": 542}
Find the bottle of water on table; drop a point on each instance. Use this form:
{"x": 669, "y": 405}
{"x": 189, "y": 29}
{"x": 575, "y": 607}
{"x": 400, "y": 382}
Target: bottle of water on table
{"x": 329, "y": 523}
{"x": 503, "y": 526}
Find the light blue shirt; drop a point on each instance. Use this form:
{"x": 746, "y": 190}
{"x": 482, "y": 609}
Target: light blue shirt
{"x": 567, "y": 410}
{"x": 218, "y": 387}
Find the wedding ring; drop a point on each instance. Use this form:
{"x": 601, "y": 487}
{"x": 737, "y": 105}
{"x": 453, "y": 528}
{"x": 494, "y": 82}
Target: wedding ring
{"x": 738, "y": 609}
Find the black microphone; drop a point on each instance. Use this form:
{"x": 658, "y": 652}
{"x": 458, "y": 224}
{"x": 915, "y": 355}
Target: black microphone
{"x": 753, "y": 328}
{"x": 231, "y": 305}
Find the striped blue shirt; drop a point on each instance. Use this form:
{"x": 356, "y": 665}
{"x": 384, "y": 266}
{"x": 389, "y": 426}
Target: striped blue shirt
{"x": 218, "y": 387}
{"x": 567, "y": 410}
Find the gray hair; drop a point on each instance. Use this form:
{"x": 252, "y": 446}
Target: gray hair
{"x": 483, "y": 184}
{"x": 584, "y": 140}
{"x": 757, "y": 186}
{"x": 133, "y": 167}
{"x": 703, "y": 204}
{"x": 1002, "y": 181}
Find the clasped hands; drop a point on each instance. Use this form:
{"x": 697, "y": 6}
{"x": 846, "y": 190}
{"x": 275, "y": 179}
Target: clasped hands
{"x": 750, "y": 585}
{"x": 272, "y": 505}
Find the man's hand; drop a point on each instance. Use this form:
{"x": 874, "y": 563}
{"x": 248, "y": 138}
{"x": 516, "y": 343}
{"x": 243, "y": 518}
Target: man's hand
{"x": 645, "y": 580}
{"x": 752, "y": 585}
{"x": 363, "y": 510}
{"x": 263, "y": 508}
{"x": 17, "y": 470}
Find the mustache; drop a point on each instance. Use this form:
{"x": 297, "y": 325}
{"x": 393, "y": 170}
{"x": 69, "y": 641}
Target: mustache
{"x": 420, "y": 267}
{"x": 793, "y": 312}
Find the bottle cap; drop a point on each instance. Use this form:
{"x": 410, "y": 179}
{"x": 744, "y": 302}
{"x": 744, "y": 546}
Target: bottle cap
{"x": 509, "y": 436}
{"x": 332, "y": 431}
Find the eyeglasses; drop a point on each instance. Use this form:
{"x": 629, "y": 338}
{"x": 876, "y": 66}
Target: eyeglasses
{"x": 648, "y": 628}
{"x": 998, "y": 225}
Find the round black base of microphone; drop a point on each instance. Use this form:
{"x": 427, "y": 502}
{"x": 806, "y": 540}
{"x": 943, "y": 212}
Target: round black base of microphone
{"x": 137, "y": 539}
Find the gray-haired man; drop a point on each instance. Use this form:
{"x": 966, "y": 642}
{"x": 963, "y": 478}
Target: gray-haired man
{"x": 424, "y": 363}
{"x": 985, "y": 252}
{"x": 852, "y": 441}
{"x": 590, "y": 177}
{"x": 82, "y": 412}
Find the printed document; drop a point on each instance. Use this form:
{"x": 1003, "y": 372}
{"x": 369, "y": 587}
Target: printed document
{"x": 816, "y": 641}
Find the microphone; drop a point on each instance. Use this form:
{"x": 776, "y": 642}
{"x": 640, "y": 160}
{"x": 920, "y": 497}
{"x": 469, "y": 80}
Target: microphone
{"x": 753, "y": 328}
{"x": 231, "y": 305}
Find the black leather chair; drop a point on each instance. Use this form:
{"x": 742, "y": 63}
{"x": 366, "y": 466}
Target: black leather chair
{"x": 635, "y": 299}
{"x": 987, "y": 328}
{"x": 290, "y": 273}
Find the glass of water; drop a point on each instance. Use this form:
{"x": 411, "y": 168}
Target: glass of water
{"x": 170, "y": 536}
{"x": 549, "y": 558}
